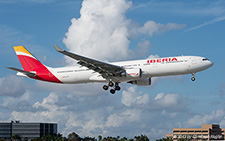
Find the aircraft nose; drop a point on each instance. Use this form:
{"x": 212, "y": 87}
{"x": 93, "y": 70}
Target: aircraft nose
{"x": 211, "y": 63}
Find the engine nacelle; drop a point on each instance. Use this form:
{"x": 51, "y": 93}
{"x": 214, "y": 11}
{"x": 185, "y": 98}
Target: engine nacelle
{"x": 135, "y": 73}
{"x": 141, "y": 82}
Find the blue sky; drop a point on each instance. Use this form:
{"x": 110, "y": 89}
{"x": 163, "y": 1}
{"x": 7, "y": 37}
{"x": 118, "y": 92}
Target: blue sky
{"x": 170, "y": 102}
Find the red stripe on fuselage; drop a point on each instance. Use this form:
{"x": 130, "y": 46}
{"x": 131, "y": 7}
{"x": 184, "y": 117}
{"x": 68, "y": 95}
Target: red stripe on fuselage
{"x": 42, "y": 73}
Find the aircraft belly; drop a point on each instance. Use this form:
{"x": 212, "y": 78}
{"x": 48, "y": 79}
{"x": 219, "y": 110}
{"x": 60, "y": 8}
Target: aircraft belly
{"x": 81, "y": 77}
{"x": 97, "y": 78}
{"x": 72, "y": 75}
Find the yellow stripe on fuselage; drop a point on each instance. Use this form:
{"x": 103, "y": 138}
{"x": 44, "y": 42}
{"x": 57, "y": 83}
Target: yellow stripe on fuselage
{"x": 21, "y": 49}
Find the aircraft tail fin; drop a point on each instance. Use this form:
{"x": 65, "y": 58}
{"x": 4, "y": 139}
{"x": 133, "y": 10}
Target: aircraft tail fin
{"x": 32, "y": 67}
{"x": 27, "y": 60}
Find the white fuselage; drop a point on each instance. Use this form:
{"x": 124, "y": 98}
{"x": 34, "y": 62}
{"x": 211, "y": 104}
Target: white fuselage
{"x": 149, "y": 67}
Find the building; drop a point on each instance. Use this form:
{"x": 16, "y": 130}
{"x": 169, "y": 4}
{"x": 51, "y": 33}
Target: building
{"x": 5, "y": 130}
{"x": 207, "y": 132}
{"x": 28, "y": 130}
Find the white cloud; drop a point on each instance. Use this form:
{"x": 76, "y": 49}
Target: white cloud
{"x": 131, "y": 96}
{"x": 24, "y": 103}
{"x": 216, "y": 116}
{"x": 7, "y": 101}
{"x": 103, "y": 31}
{"x": 100, "y": 114}
{"x": 89, "y": 89}
{"x": 159, "y": 96}
{"x": 152, "y": 27}
{"x": 125, "y": 117}
{"x": 167, "y": 102}
{"x": 153, "y": 56}
{"x": 12, "y": 85}
{"x": 142, "y": 49}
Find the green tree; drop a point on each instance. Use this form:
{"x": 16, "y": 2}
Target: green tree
{"x": 55, "y": 137}
{"x": 47, "y": 137}
{"x": 58, "y": 137}
{"x": 25, "y": 139}
{"x": 16, "y": 137}
{"x": 99, "y": 138}
{"x": 64, "y": 139}
{"x": 36, "y": 139}
{"x": 89, "y": 139}
{"x": 141, "y": 138}
{"x": 183, "y": 139}
{"x": 123, "y": 139}
{"x": 74, "y": 137}
{"x": 165, "y": 139}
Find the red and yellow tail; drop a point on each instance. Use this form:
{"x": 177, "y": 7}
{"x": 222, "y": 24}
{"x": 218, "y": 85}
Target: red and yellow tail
{"x": 32, "y": 65}
{"x": 27, "y": 60}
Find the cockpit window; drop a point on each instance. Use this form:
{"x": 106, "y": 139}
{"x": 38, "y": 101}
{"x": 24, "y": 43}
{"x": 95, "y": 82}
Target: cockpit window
{"x": 205, "y": 59}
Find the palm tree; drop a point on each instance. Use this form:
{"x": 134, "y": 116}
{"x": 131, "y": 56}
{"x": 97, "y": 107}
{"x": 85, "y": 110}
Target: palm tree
{"x": 99, "y": 138}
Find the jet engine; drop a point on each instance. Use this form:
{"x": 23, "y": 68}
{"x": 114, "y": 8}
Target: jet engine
{"x": 135, "y": 73}
{"x": 141, "y": 82}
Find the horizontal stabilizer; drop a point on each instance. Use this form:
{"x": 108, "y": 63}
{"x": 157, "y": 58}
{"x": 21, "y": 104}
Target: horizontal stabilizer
{"x": 31, "y": 74}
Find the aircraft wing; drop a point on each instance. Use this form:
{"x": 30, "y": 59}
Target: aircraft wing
{"x": 23, "y": 72}
{"x": 105, "y": 69}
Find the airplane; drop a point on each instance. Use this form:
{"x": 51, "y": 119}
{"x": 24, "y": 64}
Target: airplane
{"x": 137, "y": 72}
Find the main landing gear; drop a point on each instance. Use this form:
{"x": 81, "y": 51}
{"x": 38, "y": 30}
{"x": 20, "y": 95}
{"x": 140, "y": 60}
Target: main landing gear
{"x": 193, "y": 77}
{"x": 115, "y": 86}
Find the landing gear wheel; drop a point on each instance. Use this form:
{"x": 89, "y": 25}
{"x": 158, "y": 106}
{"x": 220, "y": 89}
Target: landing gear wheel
{"x": 112, "y": 91}
{"x": 111, "y": 84}
{"x": 117, "y": 88}
{"x": 105, "y": 87}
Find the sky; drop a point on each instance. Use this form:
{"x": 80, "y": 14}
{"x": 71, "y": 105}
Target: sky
{"x": 114, "y": 30}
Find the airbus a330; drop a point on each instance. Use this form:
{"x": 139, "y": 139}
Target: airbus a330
{"x": 137, "y": 72}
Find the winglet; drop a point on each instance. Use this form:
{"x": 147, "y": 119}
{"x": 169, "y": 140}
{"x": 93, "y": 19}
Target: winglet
{"x": 58, "y": 48}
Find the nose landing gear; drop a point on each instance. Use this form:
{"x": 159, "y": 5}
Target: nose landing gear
{"x": 115, "y": 86}
{"x": 193, "y": 77}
